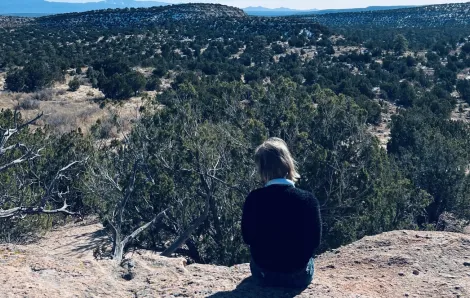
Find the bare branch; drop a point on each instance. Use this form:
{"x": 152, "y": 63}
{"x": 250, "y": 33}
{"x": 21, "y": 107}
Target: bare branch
{"x": 20, "y": 211}
{"x": 187, "y": 233}
{"x": 9, "y": 132}
{"x": 25, "y": 157}
{"x": 49, "y": 189}
{"x": 144, "y": 227}
{"x": 168, "y": 167}
{"x": 128, "y": 193}
{"x": 32, "y": 121}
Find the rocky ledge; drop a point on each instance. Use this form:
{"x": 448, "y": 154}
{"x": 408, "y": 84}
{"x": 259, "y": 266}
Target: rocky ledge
{"x": 394, "y": 264}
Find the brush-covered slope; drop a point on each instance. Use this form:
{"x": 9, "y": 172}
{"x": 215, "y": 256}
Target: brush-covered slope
{"x": 455, "y": 14}
{"x": 138, "y": 17}
{"x": 12, "y": 22}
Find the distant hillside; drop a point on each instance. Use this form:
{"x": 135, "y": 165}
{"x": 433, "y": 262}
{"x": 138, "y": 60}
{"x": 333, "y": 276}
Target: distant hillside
{"x": 11, "y": 21}
{"x": 432, "y": 16}
{"x": 26, "y": 15}
{"x": 369, "y": 8}
{"x": 456, "y": 14}
{"x": 277, "y": 12}
{"x": 138, "y": 17}
{"x": 15, "y": 7}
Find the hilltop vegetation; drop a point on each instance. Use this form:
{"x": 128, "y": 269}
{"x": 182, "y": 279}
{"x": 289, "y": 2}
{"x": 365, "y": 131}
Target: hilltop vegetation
{"x": 432, "y": 16}
{"x": 11, "y": 22}
{"x": 141, "y": 17}
{"x": 379, "y": 127}
{"x": 277, "y": 12}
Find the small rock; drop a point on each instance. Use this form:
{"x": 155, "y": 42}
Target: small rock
{"x": 131, "y": 264}
{"x": 128, "y": 276}
{"x": 467, "y": 264}
{"x": 128, "y": 264}
{"x": 401, "y": 273}
{"x": 416, "y": 272}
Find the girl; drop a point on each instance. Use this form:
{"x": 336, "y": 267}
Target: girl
{"x": 280, "y": 222}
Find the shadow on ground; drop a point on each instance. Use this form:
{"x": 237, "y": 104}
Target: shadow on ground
{"x": 90, "y": 242}
{"x": 248, "y": 288}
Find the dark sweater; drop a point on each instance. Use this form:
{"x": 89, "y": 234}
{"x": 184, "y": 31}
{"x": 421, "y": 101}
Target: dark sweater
{"x": 282, "y": 226}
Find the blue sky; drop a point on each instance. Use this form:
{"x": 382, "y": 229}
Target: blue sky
{"x": 302, "y": 4}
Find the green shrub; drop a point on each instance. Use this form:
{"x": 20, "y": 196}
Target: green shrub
{"x": 74, "y": 84}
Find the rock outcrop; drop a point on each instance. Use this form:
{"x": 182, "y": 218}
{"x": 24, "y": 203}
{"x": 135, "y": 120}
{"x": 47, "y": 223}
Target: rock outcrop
{"x": 394, "y": 264}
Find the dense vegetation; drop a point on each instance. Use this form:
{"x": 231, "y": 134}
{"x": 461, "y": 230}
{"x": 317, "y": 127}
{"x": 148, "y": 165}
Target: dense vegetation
{"x": 437, "y": 16}
{"x": 234, "y": 83}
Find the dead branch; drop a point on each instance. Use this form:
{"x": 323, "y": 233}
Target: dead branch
{"x": 28, "y": 155}
{"x": 144, "y": 227}
{"x": 9, "y": 132}
{"x": 187, "y": 233}
{"x": 22, "y": 211}
{"x": 119, "y": 245}
{"x": 49, "y": 189}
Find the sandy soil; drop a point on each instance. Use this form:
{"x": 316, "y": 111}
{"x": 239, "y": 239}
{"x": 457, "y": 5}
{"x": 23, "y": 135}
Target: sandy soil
{"x": 383, "y": 130}
{"x": 395, "y": 264}
{"x": 461, "y": 115}
{"x": 240, "y": 52}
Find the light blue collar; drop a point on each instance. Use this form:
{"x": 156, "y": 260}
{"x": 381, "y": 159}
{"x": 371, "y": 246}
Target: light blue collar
{"x": 280, "y": 181}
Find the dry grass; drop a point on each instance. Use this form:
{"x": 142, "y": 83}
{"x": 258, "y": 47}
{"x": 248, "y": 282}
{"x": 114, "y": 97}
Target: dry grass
{"x": 29, "y": 104}
{"x": 345, "y": 50}
{"x": 2, "y": 81}
{"x": 335, "y": 38}
{"x": 240, "y": 52}
{"x": 65, "y": 111}
{"x": 146, "y": 71}
{"x": 305, "y": 53}
{"x": 45, "y": 95}
{"x": 382, "y": 131}
{"x": 461, "y": 115}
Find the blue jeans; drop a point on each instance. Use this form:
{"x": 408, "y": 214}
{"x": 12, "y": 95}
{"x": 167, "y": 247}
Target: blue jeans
{"x": 299, "y": 279}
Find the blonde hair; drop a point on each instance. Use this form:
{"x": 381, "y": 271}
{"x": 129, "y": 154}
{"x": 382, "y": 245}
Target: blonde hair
{"x": 274, "y": 160}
